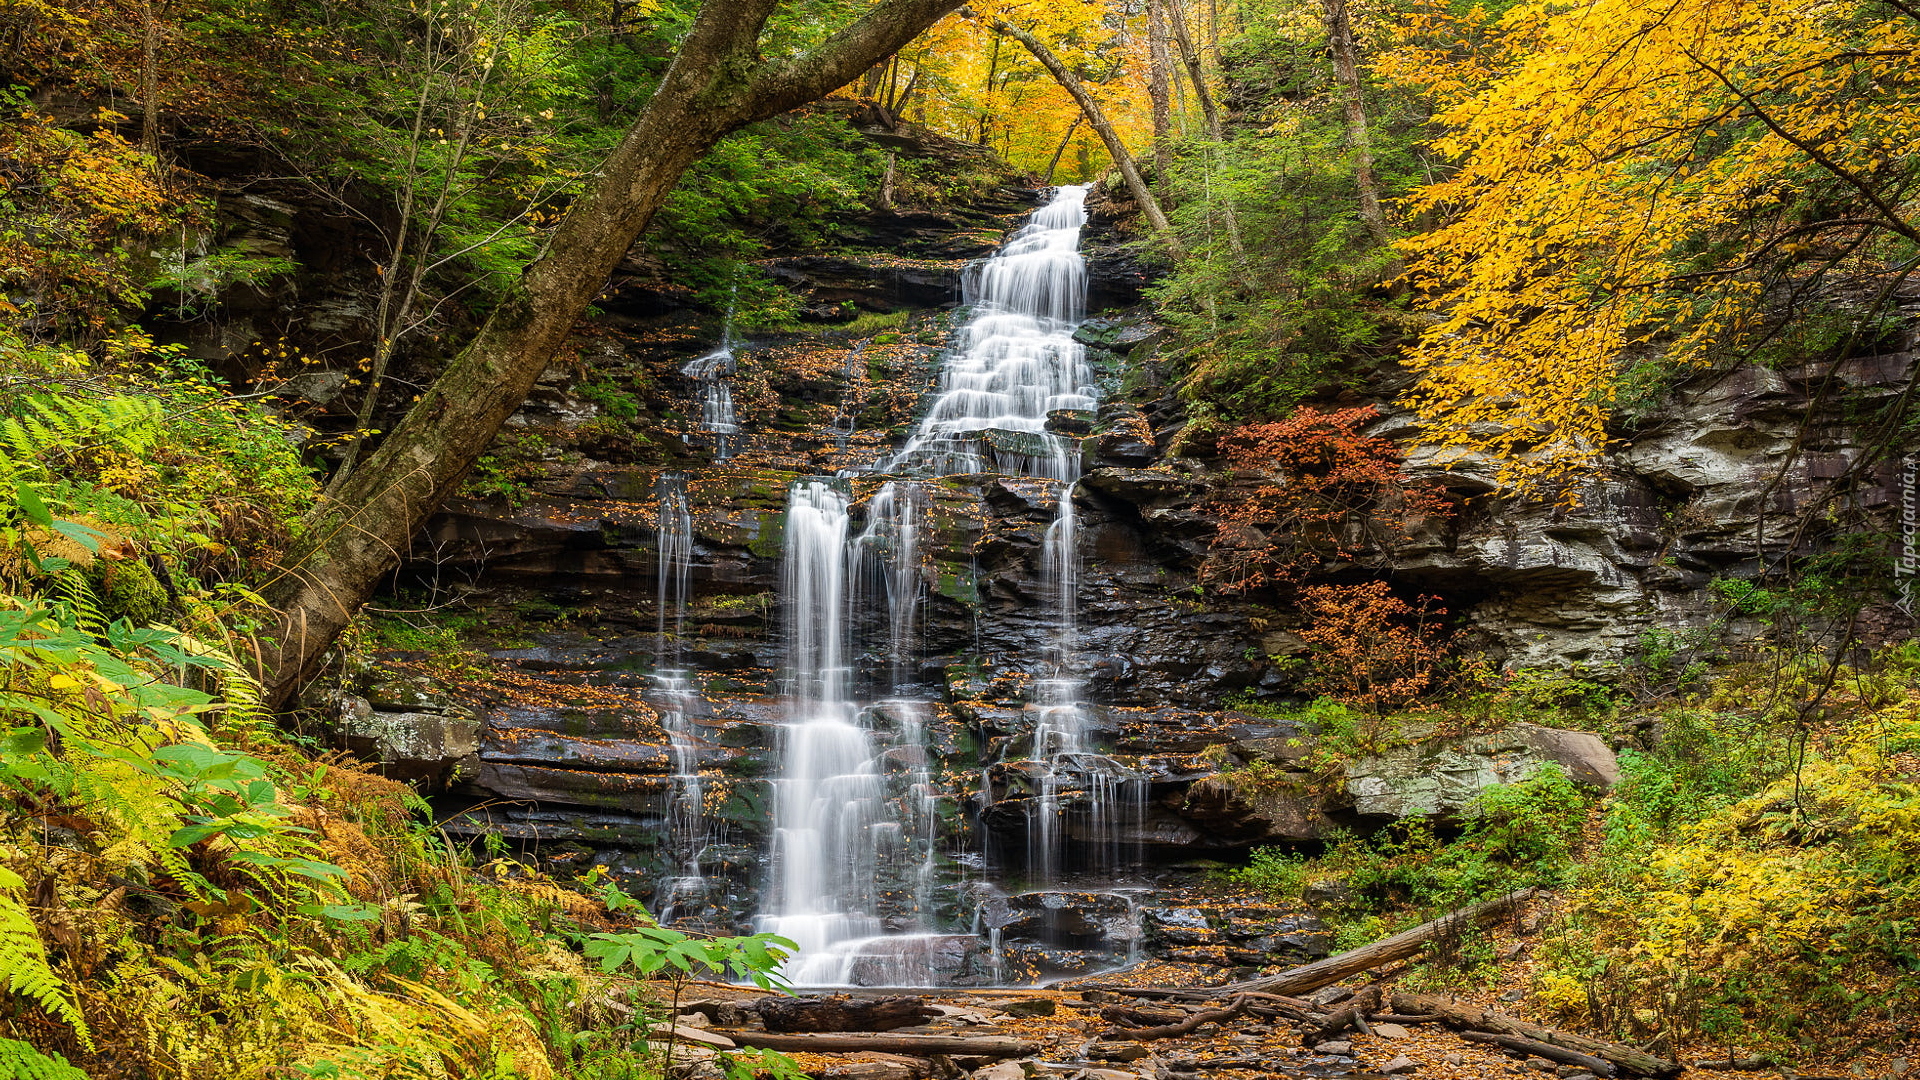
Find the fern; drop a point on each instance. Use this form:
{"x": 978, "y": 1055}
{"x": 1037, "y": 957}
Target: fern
{"x": 23, "y": 959}
{"x": 46, "y": 427}
{"x": 18, "y": 1061}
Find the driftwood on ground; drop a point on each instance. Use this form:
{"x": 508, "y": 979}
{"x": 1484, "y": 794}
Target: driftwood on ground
{"x": 1594, "y": 1065}
{"x": 1351, "y": 1014}
{"x": 1310, "y": 977}
{"x": 1121, "y": 1016}
{"x": 913, "y": 1045}
{"x": 1190, "y": 1024}
{"x": 1627, "y": 1059}
{"x": 842, "y": 1013}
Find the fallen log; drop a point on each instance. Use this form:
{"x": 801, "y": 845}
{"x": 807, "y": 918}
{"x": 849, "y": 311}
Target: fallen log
{"x": 1308, "y": 977}
{"x": 1351, "y": 1014}
{"x": 1121, "y": 1016}
{"x": 1190, "y": 1024}
{"x": 1467, "y": 1017}
{"x": 1561, "y": 1054}
{"x": 842, "y": 1013}
{"x": 912, "y": 1045}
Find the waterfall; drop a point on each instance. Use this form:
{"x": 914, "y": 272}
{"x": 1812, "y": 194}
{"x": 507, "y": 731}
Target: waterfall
{"x": 673, "y": 694}
{"x": 713, "y": 372}
{"x": 837, "y": 834}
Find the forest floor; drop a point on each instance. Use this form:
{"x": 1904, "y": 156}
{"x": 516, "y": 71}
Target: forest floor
{"x": 1077, "y": 1044}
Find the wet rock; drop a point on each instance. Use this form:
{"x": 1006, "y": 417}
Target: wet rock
{"x": 1117, "y": 1051}
{"x": 1070, "y": 421}
{"x": 1030, "y": 1007}
{"x": 1336, "y": 1047}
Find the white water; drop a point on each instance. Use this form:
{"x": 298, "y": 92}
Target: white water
{"x": 714, "y": 373}
{"x": 1016, "y": 359}
{"x": 688, "y": 834}
{"x": 1016, "y": 362}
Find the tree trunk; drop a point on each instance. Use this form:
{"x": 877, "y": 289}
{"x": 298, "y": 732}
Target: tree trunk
{"x": 1159, "y": 60}
{"x": 1190, "y": 59}
{"x": 1346, "y": 68}
{"x": 841, "y": 1013}
{"x": 1472, "y": 1018}
{"x": 1062, "y": 148}
{"x": 716, "y": 84}
{"x": 1097, "y": 118}
{"x": 150, "y": 83}
{"x": 1326, "y": 972}
{"x": 916, "y": 1045}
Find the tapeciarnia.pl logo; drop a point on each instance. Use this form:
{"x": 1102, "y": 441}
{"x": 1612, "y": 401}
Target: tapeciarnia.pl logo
{"x": 1906, "y": 568}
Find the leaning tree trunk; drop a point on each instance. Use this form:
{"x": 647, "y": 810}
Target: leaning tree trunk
{"x": 716, "y": 84}
{"x": 1159, "y": 92}
{"x": 1346, "y": 68}
{"x": 1097, "y": 119}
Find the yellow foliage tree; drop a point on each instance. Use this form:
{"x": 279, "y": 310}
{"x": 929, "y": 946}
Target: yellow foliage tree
{"x": 1645, "y": 180}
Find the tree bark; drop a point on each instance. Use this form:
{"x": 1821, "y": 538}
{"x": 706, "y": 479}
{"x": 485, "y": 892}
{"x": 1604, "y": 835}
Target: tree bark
{"x": 1097, "y": 119}
{"x": 1346, "y": 68}
{"x": 1190, "y": 59}
{"x": 1308, "y": 977}
{"x": 1189, "y": 1025}
{"x": 916, "y": 1045}
{"x": 1159, "y": 60}
{"x": 716, "y": 84}
{"x": 1625, "y": 1058}
{"x": 840, "y": 1013}
{"x": 1594, "y": 1065}
{"x": 1062, "y": 148}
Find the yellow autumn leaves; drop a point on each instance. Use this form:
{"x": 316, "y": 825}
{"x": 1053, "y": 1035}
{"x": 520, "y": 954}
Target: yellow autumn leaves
{"x": 1640, "y": 180}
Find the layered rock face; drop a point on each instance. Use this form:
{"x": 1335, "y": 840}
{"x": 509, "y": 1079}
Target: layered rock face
{"x": 636, "y": 718}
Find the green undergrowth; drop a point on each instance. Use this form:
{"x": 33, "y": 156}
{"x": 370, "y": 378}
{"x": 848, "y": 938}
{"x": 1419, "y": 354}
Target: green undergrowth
{"x": 187, "y": 892}
{"x": 1749, "y": 883}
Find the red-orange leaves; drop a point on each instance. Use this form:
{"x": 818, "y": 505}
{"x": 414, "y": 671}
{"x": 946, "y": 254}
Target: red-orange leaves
{"x": 1325, "y": 493}
{"x": 1372, "y": 649}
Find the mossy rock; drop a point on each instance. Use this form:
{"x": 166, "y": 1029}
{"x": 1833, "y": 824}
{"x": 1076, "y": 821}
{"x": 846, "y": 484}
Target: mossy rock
{"x": 128, "y": 589}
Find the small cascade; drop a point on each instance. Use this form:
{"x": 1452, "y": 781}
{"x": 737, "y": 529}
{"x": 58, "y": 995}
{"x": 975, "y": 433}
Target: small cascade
{"x": 888, "y": 554}
{"x": 714, "y": 374}
{"x": 673, "y": 695}
{"x": 1016, "y": 361}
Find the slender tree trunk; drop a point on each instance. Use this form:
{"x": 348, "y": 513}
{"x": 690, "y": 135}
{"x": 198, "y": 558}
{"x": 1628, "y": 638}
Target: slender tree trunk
{"x": 1190, "y": 57}
{"x": 1062, "y": 148}
{"x": 150, "y": 83}
{"x": 716, "y": 84}
{"x": 1159, "y": 60}
{"x": 1346, "y": 68}
{"x": 1097, "y": 118}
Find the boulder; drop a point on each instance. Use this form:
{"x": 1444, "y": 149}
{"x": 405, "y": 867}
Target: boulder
{"x": 1440, "y": 778}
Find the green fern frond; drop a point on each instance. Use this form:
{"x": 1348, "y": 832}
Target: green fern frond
{"x": 18, "y": 1061}
{"x": 23, "y": 958}
{"x": 73, "y": 590}
{"x": 46, "y": 427}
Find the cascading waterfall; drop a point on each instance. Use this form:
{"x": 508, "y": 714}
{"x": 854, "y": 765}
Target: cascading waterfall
{"x": 1015, "y": 366}
{"x": 673, "y": 694}
{"x": 714, "y": 373}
